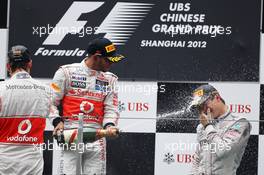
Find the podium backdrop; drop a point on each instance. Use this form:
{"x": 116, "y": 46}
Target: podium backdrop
{"x": 171, "y": 48}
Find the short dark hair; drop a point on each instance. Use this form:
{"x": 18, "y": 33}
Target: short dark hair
{"x": 18, "y": 65}
{"x": 19, "y": 57}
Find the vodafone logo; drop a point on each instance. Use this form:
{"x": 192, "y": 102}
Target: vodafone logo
{"x": 86, "y": 107}
{"x": 24, "y": 127}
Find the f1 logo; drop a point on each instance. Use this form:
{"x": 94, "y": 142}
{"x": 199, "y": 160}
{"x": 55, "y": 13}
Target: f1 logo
{"x": 124, "y": 18}
{"x": 70, "y": 18}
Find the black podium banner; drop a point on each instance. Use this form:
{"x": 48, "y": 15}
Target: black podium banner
{"x": 3, "y": 14}
{"x": 200, "y": 40}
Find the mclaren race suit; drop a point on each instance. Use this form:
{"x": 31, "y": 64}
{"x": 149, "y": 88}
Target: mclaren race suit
{"x": 24, "y": 104}
{"x": 221, "y": 146}
{"x": 93, "y": 93}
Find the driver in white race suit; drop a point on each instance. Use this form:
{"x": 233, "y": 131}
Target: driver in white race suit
{"x": 24, "y": 104}
{"x": 88, "y": 84}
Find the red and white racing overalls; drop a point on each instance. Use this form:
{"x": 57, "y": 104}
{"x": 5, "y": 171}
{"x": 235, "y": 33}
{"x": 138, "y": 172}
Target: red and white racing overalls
{"x": 93, "y": 93}
{"x": 24, "y": 104}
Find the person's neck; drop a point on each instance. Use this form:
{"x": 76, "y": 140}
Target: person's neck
{"x": 16, "y": 71}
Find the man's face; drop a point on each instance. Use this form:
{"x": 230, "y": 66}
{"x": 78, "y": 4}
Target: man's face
{"x": 211, "y": 103}
{"x": 103, "y": 64}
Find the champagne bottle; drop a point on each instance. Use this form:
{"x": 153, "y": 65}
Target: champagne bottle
{"x": 89, "y": 134}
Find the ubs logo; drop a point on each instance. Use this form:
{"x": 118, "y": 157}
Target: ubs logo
{"x": 240, "y": 108}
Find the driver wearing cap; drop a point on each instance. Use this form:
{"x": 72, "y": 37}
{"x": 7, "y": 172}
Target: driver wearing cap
{"x": 88, "y": 84}
{"x": 24, "y": 105}
{"x": 222, "y": 137}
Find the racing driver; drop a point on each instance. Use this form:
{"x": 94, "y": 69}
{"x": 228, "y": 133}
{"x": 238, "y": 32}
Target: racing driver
{"x": 90, "y": 86}
{"x": 24, "y": 104}
{"x": 222, "y": 137}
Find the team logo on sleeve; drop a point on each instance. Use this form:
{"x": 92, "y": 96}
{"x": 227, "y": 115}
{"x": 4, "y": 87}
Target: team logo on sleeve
{"x": 55, "y": 87}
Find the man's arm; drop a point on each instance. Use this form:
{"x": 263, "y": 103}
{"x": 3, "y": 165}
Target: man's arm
{"x": 58, "y": 86}
{"x": 234, "y": 139}
{"x": 195, "y": 162}
{"x": 111, "y": 113}
{"x": 196, "y": 157}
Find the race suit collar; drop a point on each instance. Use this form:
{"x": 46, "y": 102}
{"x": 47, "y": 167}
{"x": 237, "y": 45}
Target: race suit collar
{"x": 21, "y": 75}
{"x": 222, "y": 117}
{"x": 87, "y": 69}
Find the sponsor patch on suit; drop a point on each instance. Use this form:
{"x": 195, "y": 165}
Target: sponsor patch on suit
{"x": 101, "y": 85}
{"x": 79, "y": 78}
{"x": 78, "y": 84}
